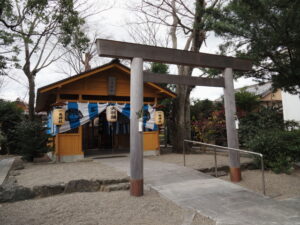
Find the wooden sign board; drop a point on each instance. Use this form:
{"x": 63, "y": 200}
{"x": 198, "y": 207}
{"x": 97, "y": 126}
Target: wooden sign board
{"x": 112, "y": 81}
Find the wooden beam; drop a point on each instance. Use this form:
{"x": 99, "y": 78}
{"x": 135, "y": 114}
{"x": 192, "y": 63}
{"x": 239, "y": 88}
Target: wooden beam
{"x": 185, "y": 80}
{"x": 125, "y": 50}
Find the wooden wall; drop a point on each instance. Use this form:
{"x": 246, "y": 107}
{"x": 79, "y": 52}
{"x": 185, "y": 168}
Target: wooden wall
{"x": 71, "y": 144}
{"x": 273, "y": 96}
{"x": 97, "y": 85}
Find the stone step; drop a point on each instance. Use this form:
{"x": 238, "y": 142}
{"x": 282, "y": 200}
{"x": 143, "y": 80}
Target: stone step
{"x": 5, "y": 166}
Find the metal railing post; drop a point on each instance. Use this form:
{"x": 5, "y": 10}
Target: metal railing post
{"x": 263, "y": 175}
{"x": 183, "y": 154}
{"x": 216, "y": 166}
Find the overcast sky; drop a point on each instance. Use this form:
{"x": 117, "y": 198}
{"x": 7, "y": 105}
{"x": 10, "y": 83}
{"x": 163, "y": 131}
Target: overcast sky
{"x": 111, "y": 23}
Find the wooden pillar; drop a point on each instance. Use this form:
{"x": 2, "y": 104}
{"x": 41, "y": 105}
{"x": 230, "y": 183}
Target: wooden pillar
{"x": 232, "y": 135}
{"x": 136, "y": 136}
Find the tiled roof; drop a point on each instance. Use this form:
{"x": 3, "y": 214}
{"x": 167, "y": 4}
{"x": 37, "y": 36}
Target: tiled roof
{"x": 258, "y": 89}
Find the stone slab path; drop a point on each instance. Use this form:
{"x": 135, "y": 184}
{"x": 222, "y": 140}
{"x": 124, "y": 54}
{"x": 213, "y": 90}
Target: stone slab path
{"x": 5, "y": 165}
{"x": 224, "y": 202}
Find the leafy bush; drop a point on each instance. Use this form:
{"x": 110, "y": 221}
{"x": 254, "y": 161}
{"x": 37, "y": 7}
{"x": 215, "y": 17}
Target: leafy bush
{"x": 2, "y": 139}
{"x": 32, "y": 139}
{"x": 280, "y": 148}
{"x": 210, "y": 130}
{"x": 255, "y": 122}
{"x": 201, "y": 109}
{"x": 10, "y": 116}
{"x": 266, "y": 132}
{"x": 208, "y": 122}
{"x": 246, "y": 101}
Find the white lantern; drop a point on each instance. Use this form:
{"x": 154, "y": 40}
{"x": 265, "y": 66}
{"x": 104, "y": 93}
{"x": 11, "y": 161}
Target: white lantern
{"x": 111, "y": 114}
{"x": 237, "y": 122}
{"x": 159, "y": 117}
{"x": 58, "y": 116}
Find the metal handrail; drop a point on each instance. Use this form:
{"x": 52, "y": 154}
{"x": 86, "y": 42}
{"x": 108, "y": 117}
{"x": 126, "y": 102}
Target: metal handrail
{"x": 227, "y": 149}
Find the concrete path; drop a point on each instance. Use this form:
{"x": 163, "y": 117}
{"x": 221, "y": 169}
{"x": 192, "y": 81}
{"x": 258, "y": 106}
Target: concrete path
{"x": 224, "y": 202}
{"x": 5, "y": 165}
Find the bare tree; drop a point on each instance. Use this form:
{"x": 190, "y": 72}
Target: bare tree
{"x": 147, "y": 32}
{"x": 78, "y": 60}
{"x": 186, "y": 26}
{"x": 2, "y": 83}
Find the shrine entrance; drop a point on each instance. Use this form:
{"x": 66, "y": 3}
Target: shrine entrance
{"x": 100, "y": 137}
{"x": 138, "y": 54}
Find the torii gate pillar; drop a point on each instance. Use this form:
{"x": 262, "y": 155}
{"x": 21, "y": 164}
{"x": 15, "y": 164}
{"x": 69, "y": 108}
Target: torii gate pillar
{"x": 232, "y": 135}
{"x": 136, "y": 136}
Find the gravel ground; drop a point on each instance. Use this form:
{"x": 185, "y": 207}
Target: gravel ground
{"x": 97, "y": 208}
{"x": 196, "y": 161}
{"x": 279, "y": 186}
{"x": 51, "y": 173}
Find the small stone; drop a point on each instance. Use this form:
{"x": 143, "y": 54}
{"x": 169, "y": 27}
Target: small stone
{"x": 102, "y": 188}
{"x": 14, "y": 173}
{"x": 220, "y": 173}
{"x": 18, "y": 164}
{"x": 116, "y": 187}
{"x": 43, "y": 159}
{"x": 16, "y": 193}
{"x": 124, "y": 180}
{"x": 48, "y": 190}
{"x": 9, "y": 182}
{"x": 82, "y": 186}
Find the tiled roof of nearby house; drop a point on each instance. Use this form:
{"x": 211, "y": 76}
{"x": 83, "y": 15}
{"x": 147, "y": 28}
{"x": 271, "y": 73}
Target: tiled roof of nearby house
{"x": 21, "y": 104}
{"x": 258, "y": 89}
{"x": 261, "y": 90}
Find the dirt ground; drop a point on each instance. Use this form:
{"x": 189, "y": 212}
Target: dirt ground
{"x": 114, "y": 208}
{"x": 278, "y": 186}
{"x": 52, "y": 173}
{"x": 196, "y": 161}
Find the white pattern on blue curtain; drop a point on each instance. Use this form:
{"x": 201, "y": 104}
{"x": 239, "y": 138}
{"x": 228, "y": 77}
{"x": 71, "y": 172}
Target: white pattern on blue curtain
{"x": 78, "y": 114}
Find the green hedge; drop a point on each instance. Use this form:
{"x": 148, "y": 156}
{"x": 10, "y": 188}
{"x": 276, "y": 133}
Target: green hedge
{"x": 10, "y": 116}
{"x": 32, "y": 139}
{"x": 280, "y": 148}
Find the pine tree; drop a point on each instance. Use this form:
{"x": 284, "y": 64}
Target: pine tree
{"x": 267, "y": 32}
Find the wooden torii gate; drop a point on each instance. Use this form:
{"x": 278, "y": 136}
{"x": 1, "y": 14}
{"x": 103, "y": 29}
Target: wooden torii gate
{"x": 140, "y": 53}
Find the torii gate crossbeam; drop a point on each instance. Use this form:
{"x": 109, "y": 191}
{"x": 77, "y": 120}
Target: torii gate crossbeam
{"x": 140, "y": 53}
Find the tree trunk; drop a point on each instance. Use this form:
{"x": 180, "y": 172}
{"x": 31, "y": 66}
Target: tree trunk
{"x": 31, "y": 83}
{"x": 87, "y": 58}
{"x": 181, "y": 111}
